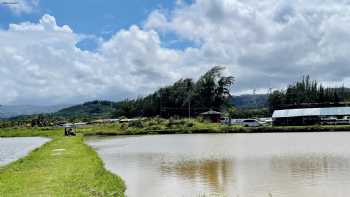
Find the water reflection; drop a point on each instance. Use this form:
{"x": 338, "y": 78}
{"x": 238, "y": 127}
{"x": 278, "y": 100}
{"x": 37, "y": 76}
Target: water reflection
{"x": 283, "y": 165}
{"x": 214, "y": 173}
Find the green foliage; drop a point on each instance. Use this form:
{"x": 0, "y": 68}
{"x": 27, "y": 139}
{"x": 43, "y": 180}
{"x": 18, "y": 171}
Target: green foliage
{"x": 305, "y": 93}
{"x": 88, "y": 110}
{"x": 248, "y": 113}
{"x": 211, "y": 91}
{"x": 136, "y": 124}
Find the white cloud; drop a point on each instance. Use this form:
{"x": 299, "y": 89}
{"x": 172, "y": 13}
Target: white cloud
{"x": 263, "y": 43}
{"x": 40, "y": 63}
{"x": 23, "y": 6}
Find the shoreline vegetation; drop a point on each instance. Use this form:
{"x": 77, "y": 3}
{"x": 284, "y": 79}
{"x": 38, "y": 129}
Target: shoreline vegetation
{"x": 149, "y": 126}
{"x": 67, "y": 166}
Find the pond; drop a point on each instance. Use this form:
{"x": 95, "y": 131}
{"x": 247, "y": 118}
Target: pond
{"x": 245, "y": 165}
{"x": 12, "y": 149}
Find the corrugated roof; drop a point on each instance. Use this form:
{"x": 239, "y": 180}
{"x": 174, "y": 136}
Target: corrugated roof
{"x": 211, "y": 112}
{"x": 328, "y": 111}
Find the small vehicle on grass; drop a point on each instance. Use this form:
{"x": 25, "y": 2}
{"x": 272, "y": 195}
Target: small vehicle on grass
{"x": 250, "y": 123}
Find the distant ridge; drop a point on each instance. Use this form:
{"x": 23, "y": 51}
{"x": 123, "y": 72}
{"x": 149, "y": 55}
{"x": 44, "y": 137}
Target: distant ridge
{"x": 89, "y": 109}
{"x": 9, "y": 111}
{"x": 250, "y": 101}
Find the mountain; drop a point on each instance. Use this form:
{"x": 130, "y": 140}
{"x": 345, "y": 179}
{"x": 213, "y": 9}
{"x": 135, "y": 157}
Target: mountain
{"x": 8, "y": 111}
{"x": 250, "y": 101}
{"x": 98, "y": 109}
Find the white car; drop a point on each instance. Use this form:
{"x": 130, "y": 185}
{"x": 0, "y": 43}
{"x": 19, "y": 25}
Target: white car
{"x": 250, "y": 123}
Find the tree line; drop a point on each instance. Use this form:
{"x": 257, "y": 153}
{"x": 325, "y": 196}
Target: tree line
{"x": 185, "y": 97}
{"x": 307, "y": 93}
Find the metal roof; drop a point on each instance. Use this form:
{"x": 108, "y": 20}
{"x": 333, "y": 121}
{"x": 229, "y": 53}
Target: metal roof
{"x": 328, "y": 111}
{"x": 211, "y": 112}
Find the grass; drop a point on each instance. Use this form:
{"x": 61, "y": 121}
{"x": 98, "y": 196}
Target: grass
{"x": 31, "y": 132}
{"x": 154, "y": 126}
{"x": 63, "y": 167}
{"x": 164, "y": 126}
{"x": 187, "y": 126}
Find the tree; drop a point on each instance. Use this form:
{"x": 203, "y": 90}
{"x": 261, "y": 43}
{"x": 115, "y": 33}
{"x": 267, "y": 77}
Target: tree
{"x": 306, "y": 92}
{"x": 210, "y": 91}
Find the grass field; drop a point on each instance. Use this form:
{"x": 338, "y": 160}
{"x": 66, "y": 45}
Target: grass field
{"x": 63, "y": 167}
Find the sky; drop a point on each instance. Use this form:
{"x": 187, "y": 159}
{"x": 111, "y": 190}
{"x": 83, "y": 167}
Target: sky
{"x": 67, "y": 52}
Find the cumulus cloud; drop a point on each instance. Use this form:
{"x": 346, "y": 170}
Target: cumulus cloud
{"x": 40, "y": 63}
{"x": 262, "y": 43}
{"x": 266, "y": 43}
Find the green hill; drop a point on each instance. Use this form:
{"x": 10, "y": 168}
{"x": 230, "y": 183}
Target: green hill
{"x": 93, "y": 109}
{"x": 250, "y": 101}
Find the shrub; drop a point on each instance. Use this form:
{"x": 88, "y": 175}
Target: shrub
{"x": 136, "y": 124}
{"x": 189, "y": 124}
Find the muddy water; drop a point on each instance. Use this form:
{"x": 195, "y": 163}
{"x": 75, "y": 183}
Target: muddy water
{"x": 12, "y": 149}
{"x": 252, "y": 165}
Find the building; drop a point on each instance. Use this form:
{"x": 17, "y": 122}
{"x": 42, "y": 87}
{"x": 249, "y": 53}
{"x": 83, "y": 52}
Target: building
{"x": 308, "y": 116}
{"x": 101, "y": 121}
{"x": 211, "y": 115}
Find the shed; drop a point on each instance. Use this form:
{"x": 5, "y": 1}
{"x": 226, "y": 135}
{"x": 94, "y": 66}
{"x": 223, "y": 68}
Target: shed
{"x": 211, "y": 115}
{"x": 307, "y": 116}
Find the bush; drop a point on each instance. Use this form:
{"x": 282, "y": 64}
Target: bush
{"x": 189, "y": 124}
{"x": 136, "y": 124}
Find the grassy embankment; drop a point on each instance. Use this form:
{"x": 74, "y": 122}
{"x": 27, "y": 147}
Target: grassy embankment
{"x": 186, "y": 126}
{"x": 66, "y": 166}
{"x": 164, "y": 126}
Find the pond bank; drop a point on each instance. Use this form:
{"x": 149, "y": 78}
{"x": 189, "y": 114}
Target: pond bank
{"x": 66, "y": 166}
{"x": 228, "y": 129}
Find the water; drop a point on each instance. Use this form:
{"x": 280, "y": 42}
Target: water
{"x": 244, "y": 165}
{"x": 12, "y": 149}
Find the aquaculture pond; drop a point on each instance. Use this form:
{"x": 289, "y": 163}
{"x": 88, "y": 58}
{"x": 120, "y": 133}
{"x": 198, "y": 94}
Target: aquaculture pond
{"x": 247, "y": 165}
{"x": 14, "y": 148}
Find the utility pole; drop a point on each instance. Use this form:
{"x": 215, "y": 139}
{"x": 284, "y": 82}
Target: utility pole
{"x": 160, "y": 103}
{"x": 189, "y": 109}
{"x": 270, "y": 91}
{"x": 189, "y": 98}
{"x": 254, "y": 94}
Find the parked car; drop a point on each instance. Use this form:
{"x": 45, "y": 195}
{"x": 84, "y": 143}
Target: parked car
{"x": 265, "y": 121}
{"x": 335, "y": 121}
{"x": 225, "y": 120}
{"x": 342, "y": 122}
{"x": 250, "y": 123}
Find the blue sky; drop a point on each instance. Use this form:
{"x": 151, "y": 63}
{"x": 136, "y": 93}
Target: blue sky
{"x": 101, "y": 18}
{"x": 90, "y": 16}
